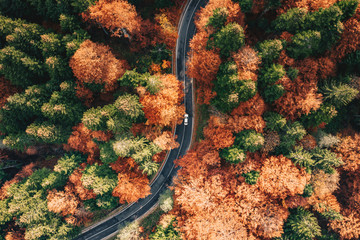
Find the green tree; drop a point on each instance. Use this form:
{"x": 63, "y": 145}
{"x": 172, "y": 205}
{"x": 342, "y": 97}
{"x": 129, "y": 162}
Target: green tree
{"x": 251, "y": 177}
{"x": 249, "y": 140}
{"x": 302, "y": 158}
{"x": 21, "y": 69}
{"x": 324, "y": 114}
{"x": 274, "y": 121}
{"x": 292, "y": 21}
{"x": 218, "y": 19}
{"x": 325, "y": 140}
{"x": 271, "y": 74}
{"x": 233, "y": 155}
{"x": 69, "y": 23}
{"x": 94, "y": 119}
{"x": 68, "y": 163}
{"x": 304, "y": 44}
{"x": 102, "y": 179}
{"x": 326, "y": 160}
{"x": 130, "y": 106}
{"x": 54, "y": 180}
{"x": 166, "y": 201}
{"x": 347, "y": 7}
{"x": 229, "y": 39}
{"x": 107, "y": 153}
{"x": 129, "y": 231}
{"x": 47, "y": 132}
{"x": 269, "y": 50}
{"x": 149, "y": 167}
{"x": 301, "y": 224}
{"x": 273, "y": 92}
{"x": 338, "y": 94}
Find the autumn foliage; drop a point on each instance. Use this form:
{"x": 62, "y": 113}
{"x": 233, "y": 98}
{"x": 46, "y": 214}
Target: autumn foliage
{"x": 164, "y": 107}
{"x": 94, "y": 63}
{"x": 81, "y": 140}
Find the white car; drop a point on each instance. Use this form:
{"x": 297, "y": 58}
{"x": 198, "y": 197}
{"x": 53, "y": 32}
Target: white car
{"x": 186, "y": 119}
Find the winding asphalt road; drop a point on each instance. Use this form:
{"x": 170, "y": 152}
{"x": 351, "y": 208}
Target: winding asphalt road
{"x": 168, "y": 170}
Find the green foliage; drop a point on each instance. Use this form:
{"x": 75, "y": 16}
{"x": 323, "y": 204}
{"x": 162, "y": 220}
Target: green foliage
{"x": 274, "y": 121}
{"x": 302, "y": 158}
{"x": 54, "y": 180}
{"x": 63, "y": 108}
{"x": 269, "y": 50}
{"x": 229, "y": 39}
{"x": 21, "y": 69}
{"x": 324, "y": 114}
{"x": 351, "y": 63}
{"x": 338, "y": 94}
{"x": 48, "y": 133}
{"x": 102, "y": 179}
{"x": 326, "y": 160}
{"x": 218, "y": 19}
{"x": 107, "y": 153}
{"x": 166, "y": 201}
{"x": 304, "y": 44}
{"x": 129, "y": 232}
{"x": 249, "y": 140}
{"x": 94, "y": 119}
{"x": 130, "y": 106}
{"x": 233, "y": 155}
{"x": 292, "y": 21}
{"x": 166, "y": 232}
{"x": 245, "y": 5}
{"x": 5, "y": 216}
{"x": 325, "y": 140}
{"x": 292, "y": 73}
{"x": 273, "y": 92}
{"x": 230, "y": 90}
{"x": 18, "y": 141}
{"x": 147, "y": 166}
{"x": 251, "y": 177}
{"x": 308, "y": 191}
{"x": 331, "y": 214}
{"x": 291, "y": 133}
{"x": 347, "y": 7}
{"x": 68, "y": 163}
{"x": 269, "y": 75}
{"x": 68, "y": 23}
{"x": 301, "y": 224}
{"x": 105, "y": 201}
{"x": 35, "y": 180}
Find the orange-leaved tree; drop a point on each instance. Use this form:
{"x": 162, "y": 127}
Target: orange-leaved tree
{"x": 164, "y": 107}
{"x": 94, "y": 63}
{"x": 118, "y": 16}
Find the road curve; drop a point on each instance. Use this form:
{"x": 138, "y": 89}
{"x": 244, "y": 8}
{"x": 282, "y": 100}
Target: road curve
{"x": 111, "y": 225}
